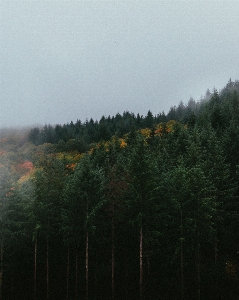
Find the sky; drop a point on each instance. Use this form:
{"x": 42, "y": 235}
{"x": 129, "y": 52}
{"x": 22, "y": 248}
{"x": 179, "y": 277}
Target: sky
{"x": 68, "y": 60}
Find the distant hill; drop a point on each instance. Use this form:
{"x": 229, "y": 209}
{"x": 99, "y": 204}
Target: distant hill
{"x": 79, "y": 136}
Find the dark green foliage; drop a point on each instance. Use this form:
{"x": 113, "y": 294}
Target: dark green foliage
{"x": 172, "y": 194}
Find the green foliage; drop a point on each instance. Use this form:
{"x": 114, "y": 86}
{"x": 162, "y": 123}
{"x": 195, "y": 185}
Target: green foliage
{"x": 173, "y": 186}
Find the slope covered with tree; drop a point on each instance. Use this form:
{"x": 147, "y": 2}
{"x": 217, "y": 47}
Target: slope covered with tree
{"x": 129, "y": 207}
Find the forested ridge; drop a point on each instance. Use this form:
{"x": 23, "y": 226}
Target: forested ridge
{"x": 128, "y": 207}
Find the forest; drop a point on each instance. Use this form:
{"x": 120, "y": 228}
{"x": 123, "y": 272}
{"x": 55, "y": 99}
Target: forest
{"x": 127, "y": 207}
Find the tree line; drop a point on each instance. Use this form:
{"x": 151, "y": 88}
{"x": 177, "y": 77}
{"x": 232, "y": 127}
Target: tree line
{"x": 149, "y": 213}
{"x": 80, "y": 135}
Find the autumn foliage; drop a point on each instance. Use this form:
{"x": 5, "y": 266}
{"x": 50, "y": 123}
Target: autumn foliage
{"x": 128, "y": 207}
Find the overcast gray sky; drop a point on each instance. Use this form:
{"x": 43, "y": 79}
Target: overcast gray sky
{"x": 66, "y": 60}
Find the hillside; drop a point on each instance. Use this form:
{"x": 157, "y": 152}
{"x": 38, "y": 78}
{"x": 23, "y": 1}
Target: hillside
{"x": 128, "y": 207}
{"x": 79, "y": 135}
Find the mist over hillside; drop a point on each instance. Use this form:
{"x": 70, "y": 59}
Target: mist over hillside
{"x": 92, "y": 131}
{"x": 127, "y": 207}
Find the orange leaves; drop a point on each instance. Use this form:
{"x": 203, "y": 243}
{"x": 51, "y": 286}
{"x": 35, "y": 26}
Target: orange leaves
{"x": 72, "y": 157}
{"x": 24, "y": 168}
{"x": 161, "y": 128}
{"x": 165, "y": 127}
{"x": 106, "y": 145}
{"x": 10, "y": 193}
{"x": 23, "y": 178}
{"x": 123, "y": 143}
{"x": 145, "y": 132}
{"x": 159, "y": 131}
{"x": 71, "y": 166}
{"x": 27, "y": 165}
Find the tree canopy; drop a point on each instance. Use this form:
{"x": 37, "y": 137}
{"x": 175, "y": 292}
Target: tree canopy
{"x": 127, "y": 207}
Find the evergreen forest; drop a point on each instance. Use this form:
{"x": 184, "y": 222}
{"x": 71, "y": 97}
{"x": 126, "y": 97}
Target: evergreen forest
{"x": 127, "y": 207}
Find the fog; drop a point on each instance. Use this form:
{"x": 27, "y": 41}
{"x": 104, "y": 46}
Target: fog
{"x": 68, "y": 60}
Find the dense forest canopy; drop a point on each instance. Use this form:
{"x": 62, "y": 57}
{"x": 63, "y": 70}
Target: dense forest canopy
{"x": 127, "y": 207}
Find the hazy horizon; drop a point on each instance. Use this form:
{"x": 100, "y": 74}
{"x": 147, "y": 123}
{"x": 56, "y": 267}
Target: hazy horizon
{"x": 64, "y": 61}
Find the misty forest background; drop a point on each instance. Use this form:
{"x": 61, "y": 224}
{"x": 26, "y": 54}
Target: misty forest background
{"x": 128, "y": 207}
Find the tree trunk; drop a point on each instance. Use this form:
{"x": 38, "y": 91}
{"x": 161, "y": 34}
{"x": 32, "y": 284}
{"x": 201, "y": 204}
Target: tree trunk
{"x": 1, "y": 269}
{"x": 198, "y": 265}
{"x": 35, "y": 268}
{"x": 113, "y": 257}
{"x": 198, "y": 262}
{"x": 126, "y": 271}
{"x": 87, "y": 266}
{"x": 47, "y": 268}
{"x": 198, "y": 277}
{"x": 216, "y": 249}
{"x": 182, "y": 256}
{"x": 96, "y": 278}
{"x": 216, "y": 281}
{"x": 148, "y": 265}
{"x": 12, "y": 286}
{"x": 76, "y": 275}
{"x": 141, "y": 262}
{"x": 67, "y": 271}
